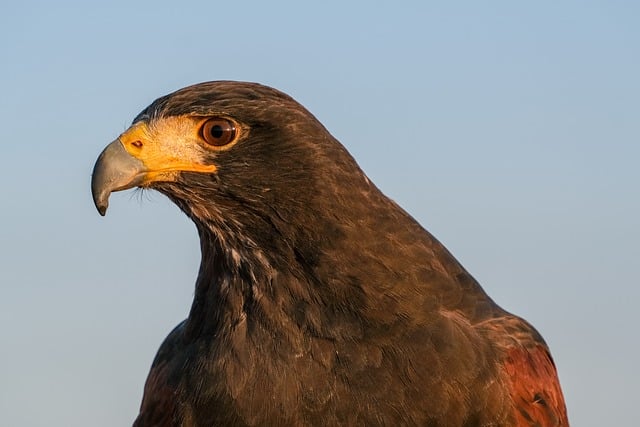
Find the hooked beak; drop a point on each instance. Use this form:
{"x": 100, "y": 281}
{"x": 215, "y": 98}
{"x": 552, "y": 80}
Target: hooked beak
{"x": 114, "y": 170}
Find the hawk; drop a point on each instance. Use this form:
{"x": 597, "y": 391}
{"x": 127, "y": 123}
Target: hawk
{"x": 319, "y": 301}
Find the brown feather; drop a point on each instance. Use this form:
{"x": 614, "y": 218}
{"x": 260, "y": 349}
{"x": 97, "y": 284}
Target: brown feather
{"x": 319, "y": 301}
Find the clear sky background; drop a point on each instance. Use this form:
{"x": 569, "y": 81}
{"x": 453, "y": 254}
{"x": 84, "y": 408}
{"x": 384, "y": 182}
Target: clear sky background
{"x": 510, "y": 130}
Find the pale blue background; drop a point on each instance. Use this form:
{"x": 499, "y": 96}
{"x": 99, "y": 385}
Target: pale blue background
{"x": 509, "y": 129}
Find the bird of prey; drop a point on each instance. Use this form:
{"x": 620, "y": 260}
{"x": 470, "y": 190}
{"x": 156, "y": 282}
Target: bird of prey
{"x": 319, "y": 301}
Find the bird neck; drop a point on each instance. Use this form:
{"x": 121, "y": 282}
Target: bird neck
{"x": 321, "y": 271}
{"x": 225, "y": 287}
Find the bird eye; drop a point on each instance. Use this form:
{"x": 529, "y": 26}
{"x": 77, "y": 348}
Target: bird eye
{"x": 218, "y": 132}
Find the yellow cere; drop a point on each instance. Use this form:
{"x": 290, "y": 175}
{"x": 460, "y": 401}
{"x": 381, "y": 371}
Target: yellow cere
{"x": 167, "y": 146}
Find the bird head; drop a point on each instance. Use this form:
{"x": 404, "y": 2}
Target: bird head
{"x": 239, "y": 159}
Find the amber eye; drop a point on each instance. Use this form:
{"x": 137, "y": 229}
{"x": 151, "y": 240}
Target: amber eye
{"x": 218, "y": 132}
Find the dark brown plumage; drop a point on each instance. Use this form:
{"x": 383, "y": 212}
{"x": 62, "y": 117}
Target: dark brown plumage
{"x": 319, "y": 301}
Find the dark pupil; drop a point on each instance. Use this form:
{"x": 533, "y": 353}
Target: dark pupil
{"x": 217, "y": 131}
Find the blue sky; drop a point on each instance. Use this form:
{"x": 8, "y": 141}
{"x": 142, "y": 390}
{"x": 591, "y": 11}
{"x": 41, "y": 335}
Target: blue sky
{"x": 509, "y": 130}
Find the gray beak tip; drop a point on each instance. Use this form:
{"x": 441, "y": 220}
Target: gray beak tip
{"x": 114, "y": 170}
{"x": 102, "y": 207}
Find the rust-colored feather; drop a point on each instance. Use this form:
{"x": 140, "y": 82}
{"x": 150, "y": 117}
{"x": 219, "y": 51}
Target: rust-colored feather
{"x": 535, "y": 389}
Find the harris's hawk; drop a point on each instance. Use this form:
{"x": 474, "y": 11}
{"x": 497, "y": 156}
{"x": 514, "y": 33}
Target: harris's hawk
{"x": 319, "y": 301}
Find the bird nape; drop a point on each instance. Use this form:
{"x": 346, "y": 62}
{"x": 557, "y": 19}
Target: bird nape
{"x": 319, "y": 301}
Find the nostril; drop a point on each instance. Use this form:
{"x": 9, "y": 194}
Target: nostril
{"x": 137, "y": 144}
